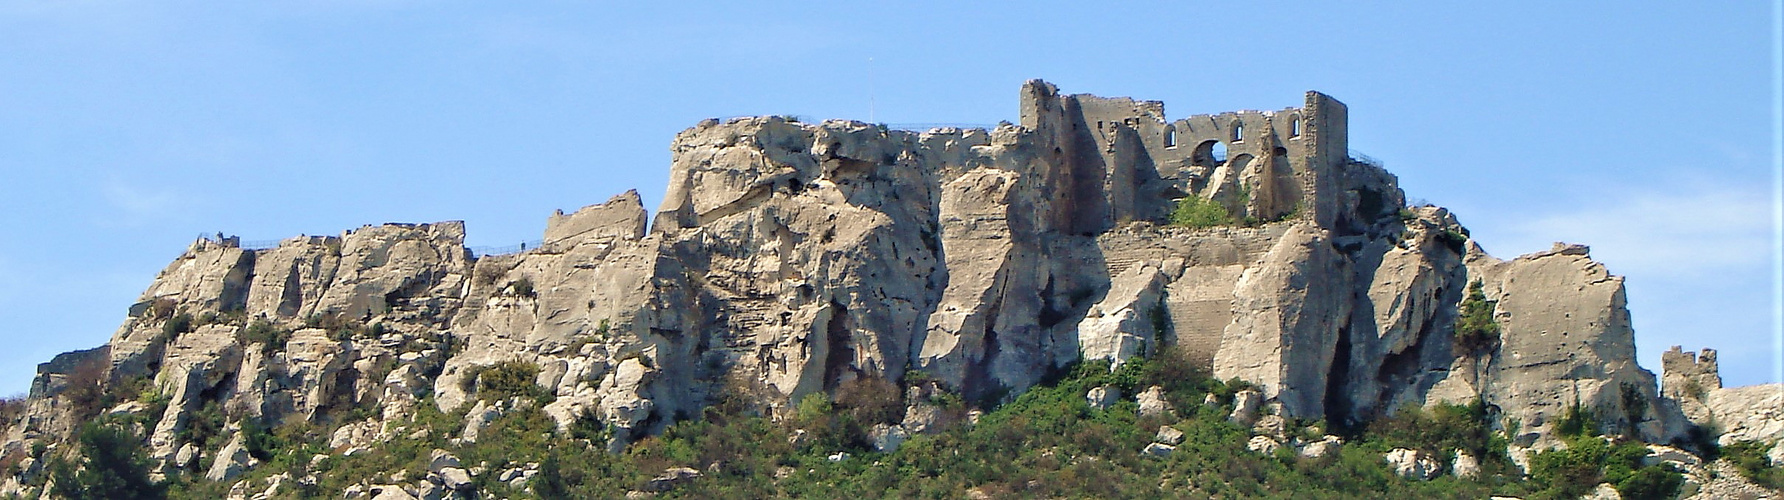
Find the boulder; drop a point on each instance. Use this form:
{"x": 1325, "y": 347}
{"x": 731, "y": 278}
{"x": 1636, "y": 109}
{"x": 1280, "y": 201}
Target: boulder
{"x": 1152, "y": 402}
{"x": 480, "y": 416}
{"x": 232, "y": 460}
{"x": 1604, "y": 491}
{"x": 456, "y": 478}
{"x": 1263, "y": 444}
{"x": 1661, "y": 454}
{"x": 1465, "y": 465}
{"x": 670, "y": 478}
{"x": 1412, "y": 464}
{"x": 1168, "y": 435}
{"x": 441, "y": 459}
{"x": 1326, "y": 445}
{"x": 1159, "y": 450}
{"x": 886, "y": 437}
{"x": 1102, "y": 397}
{"x": 389, "y": 492}
{"x": 1122, "y": 325}
{"x": 1271, "y": 425}
{"x": 1245, "y": 406}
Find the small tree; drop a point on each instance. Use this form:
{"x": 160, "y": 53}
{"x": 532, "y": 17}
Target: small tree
{"x": 113, "y": 465}
{"x": 549, "y": 484}
{"x": 1476, "y": 331}
{"x": 1195, "y": 212}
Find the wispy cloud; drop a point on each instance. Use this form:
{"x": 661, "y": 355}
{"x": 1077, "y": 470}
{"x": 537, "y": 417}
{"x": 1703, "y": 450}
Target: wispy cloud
{"x": 1692, "y": 229}
{"x": 136, "y": 204}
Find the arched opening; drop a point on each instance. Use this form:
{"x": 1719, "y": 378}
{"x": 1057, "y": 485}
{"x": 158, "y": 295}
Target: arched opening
{"x": 1238, "y": 132}
{"x": 1170, "y": 137}
{"x": 1209, "y": 153}
{"x": 1294, "y": 126}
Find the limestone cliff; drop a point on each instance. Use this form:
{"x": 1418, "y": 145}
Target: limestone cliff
{"x": 791, "y": 258}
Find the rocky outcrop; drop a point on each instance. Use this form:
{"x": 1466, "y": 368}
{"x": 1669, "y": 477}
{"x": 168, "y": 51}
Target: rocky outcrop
{"x": 792, "y": 258}
{"x": 1752, "y": 413}
{"x": 1566, "y": 340}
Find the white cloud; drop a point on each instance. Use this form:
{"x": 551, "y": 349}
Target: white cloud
{"x": 1693, "y": 230}
{"x": 137, "y": 204}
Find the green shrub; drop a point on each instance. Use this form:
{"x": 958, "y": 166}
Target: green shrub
{"x": 204, "y": 426}
{"x": 1195, "y": 212}
{"x": 178, "y": 324}
{"x": 1589, "y": 460}
{"x": 1750, "y": 458}
{"x": 506, "y": 380}
{"x": 270, "y": 337}
{"x": 523, "y": 287}
{"x": 1651, "y": 483}
{"x": 1456, "y": 240}
{"x": 1578, "y": 422}
{"x": 1440, "y": 430}
{"x": 589, "y": 426}
{"x": 113, "y": 464}
{"x": 1476, "y": 330}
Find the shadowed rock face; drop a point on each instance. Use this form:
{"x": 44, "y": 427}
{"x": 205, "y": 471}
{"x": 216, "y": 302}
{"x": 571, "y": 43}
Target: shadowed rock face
{"x": 792, "y": 258}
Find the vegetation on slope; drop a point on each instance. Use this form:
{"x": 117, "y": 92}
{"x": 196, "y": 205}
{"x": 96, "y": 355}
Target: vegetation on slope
{"x": 1047, "y": 442}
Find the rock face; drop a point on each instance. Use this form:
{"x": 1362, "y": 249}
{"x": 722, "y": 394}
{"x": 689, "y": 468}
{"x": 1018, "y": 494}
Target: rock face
{"x": 1753, "y": 413}
{"x": 793, "y": 258}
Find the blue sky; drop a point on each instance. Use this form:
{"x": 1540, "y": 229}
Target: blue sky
{"x": 127, "y": 128}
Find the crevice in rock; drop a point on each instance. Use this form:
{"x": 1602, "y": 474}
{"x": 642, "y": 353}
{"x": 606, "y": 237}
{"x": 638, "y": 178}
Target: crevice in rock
{"x": 1337, "y": 398}
{"x": 840, "y": 355}
{"x": 978, "y": 385}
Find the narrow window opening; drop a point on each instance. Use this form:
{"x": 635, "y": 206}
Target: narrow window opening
{"x": 1170, "y": 137}
{"x": 1238, "y": 132}
{"x": 1294, "y": 127}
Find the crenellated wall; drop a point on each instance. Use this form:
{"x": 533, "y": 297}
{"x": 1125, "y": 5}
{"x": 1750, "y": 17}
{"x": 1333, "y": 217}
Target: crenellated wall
{"x": 1275, "y": 164}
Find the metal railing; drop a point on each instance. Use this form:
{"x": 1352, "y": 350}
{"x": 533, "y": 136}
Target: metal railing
{"x": 485, "y": 250}
{"x": 1359, "y": 157}
{"x": 925, "y": 127}
{"x": 476, "y": 251}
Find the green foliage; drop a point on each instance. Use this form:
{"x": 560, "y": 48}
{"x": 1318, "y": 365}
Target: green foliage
{"x": 523, "y": 287}
{"x": 589, "y": 426}
{"x": 871, "y": 400}
{"x": 1578, "y": 422}
{"x": 1651, "y": 483}
{"x": 1635, "y": 407}
{"x": 203, "y": 427}
{"x": 339, "y": 326}
{"x": 1589, "y": 460}
{"x": 85, "y": 388}
{"x": 271, "y": 337}
{"x": 1750, "y": 458}
{"x": 1407, "y": 215}
{"x": 549, "y": 484}
{"x": 113, "y": 464}
{"x": 1044, "y": 443}
{"x": 258, "y": 440}
{"x": 1195, "y": 212}
{"x": 1457, "y": 241}
{"x": 506, "y": 380}
{"x": 1476, "y": 330}
{"x": 1441, "y": 430}
{"x": 178, "y": 324}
